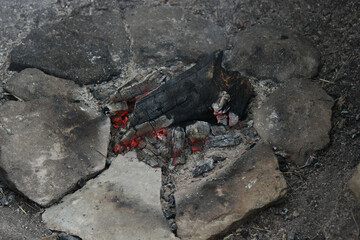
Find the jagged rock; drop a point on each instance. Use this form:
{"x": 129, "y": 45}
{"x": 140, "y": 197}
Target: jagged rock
{"x": 86, "y": 49}
{"x": 296, "y": 118}
{"x": 166, "y": 33}
{"x": 214, "y": 205}
{"x": 354, "y": 183}
{"x": 121, "y": 203}
{"x": 272, "y": 52}
{"x": 51, "y": 142}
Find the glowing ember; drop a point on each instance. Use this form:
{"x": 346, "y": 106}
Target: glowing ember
{"x": 175, "y": 155}
{"x": 161, "y": 134}
{"x": 126, "y": 145}
{"x": 119, "y": 118}
{"x": 197, "y": 144}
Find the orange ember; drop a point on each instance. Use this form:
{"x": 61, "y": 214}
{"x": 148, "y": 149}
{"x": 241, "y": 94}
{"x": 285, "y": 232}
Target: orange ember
{"x": 126, "y": 145}
{"x": 161, "y": 134}
{"x": 119, "y": 118}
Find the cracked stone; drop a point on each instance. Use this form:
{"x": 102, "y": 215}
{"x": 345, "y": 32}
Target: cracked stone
{"x": 212, "y": 206}
{"x": 300, "y": 126}
{"x": 65, "y": 140}
{"x": 272, "y": 52}
{"x": 121, "y": 203}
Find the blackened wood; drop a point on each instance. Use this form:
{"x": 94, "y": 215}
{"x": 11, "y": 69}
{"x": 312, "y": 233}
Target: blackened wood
{"x": 190, "y": 95}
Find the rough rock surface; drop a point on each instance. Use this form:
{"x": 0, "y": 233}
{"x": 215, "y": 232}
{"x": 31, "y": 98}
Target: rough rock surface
{"x": 214, "y": 205}
{"x": 302, "y": 124}
{"x": 49, "y": 144}
{"x": 31, "y": 84}
{"x": 121, "y": 203}
{"x": 354, "y": 183}
{"x": 169, "y": 33}
{"x": 273, "y": 52}
{"x": 86, "y": 49}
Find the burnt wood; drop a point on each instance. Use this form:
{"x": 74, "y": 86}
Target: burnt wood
{"x": 190, "y": 95}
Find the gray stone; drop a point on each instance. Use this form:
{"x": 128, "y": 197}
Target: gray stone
{"x": 167, "y": 33}
{"x": 216, "y": 204}
{"x": 200, "y": 130}
{"x": 354, "y": 183}
{"x": 86, "y": 49}
{"x": 64, "y": 140}
{"x": 121, "y": 203}
{"x": 272, "y": 52}
{"x": 32, "y": 84}
{"x": 296, "y": 118}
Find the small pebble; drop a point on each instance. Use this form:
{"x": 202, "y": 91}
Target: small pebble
{"x": 173, "y": 228}
{"x": 284, "y": 211}
{"x": 244, "y": 233}
{"x": 81, "y": 182}
{"x": 291, "y": 236}
{"x": 64, "y": 236}
{"x": 169, "y": 214}
{"x": 4, "y": 201}
{"x": 296, "y": 213}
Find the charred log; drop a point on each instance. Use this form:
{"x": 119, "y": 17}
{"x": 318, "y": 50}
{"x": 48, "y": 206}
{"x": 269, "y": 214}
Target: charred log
{"x": 190, "y": 95}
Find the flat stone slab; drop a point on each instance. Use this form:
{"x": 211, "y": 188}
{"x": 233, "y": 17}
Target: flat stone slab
{"x": 212, "y": 206}
{"x": 354, "y": 183}
{"x": 272, "y": 52}
{"x": 86, "y": 49}
{"x": 296, "y": 118}
{"x": 121, "y": 203}
{"x": 166, "y": 33}
{"x": 51, "y": 141}
{"x": 31, "y": 84}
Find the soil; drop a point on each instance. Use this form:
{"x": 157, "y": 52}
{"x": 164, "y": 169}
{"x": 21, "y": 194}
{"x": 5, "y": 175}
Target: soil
{"x": 319, "y": 204}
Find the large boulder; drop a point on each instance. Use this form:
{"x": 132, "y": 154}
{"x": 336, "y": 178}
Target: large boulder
{"x": 296, "y": 118}
{"x": 214, "y": 205}
{"x": 272, "y": 52}
{"x": 121, "y": 203}
{"x": 166, "y": 33}
{"x": 86, "y": 49}
{"x": 354, "y": 183}
{"x": 52, "y": 140}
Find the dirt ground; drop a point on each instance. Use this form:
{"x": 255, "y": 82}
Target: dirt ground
{"x": 319, "y": 204}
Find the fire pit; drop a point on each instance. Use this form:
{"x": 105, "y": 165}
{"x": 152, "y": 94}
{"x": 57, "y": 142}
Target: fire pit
{"x": 202, "y": 135}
